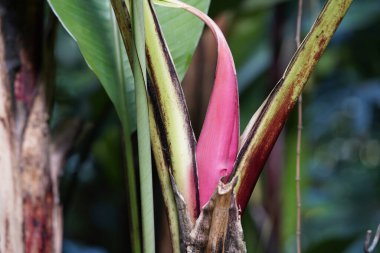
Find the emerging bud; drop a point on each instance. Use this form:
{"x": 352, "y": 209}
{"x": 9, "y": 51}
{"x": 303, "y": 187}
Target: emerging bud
{"x": 219, "y": 139}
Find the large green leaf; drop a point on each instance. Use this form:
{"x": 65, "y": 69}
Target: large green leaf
{"x": 91, "y": 24}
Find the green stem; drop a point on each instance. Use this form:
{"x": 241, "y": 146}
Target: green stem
{"x": 130, "y": 168}
{"x": 143, "y": 135}
{"x": 133, "y": 203}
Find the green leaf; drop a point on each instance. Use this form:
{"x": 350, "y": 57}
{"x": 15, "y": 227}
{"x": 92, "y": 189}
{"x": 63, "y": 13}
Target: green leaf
{"x": 91, "y": 24}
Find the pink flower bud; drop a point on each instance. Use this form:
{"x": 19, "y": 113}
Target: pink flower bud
{"x": 219, "y": 139}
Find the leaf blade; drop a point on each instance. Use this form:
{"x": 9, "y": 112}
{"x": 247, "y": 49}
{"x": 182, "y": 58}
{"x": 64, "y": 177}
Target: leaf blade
{"x": 92, "y": 24}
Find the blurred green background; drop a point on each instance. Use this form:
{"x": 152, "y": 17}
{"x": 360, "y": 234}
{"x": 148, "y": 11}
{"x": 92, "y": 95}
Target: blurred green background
{"x": 340, "y": 142}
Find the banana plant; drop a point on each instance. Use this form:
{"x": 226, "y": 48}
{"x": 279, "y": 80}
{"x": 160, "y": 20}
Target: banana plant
{"x": 206, "y": 184}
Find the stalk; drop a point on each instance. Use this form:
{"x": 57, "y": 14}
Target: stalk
{"x": 299, "y": 136}
{"x": 265, "y": 128}
{"x": 130, "y": 170}
{"x": 135, "y": 46}
{"x": 170, "y": 113}
{"x": 143, "y": 134}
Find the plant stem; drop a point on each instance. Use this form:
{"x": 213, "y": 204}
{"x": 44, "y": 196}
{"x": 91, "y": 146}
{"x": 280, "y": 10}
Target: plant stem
{"x": 130, "y": 170}
{"x": 299, "y": 138}
{"x": 143, "y": 134}
{"x": 271, "y": 116}
{"x": 135, "y": 46}
{"x": 124, "y": 22}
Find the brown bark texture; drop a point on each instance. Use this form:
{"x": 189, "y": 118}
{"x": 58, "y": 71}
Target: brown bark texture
{"x": 30, "y": 219}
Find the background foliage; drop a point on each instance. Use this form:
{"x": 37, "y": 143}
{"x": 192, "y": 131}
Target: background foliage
{"x": 341, "y": 138}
